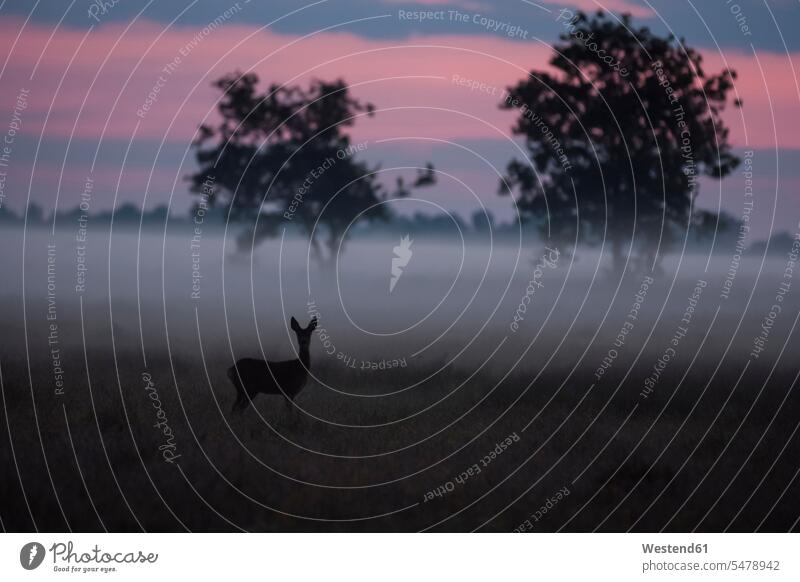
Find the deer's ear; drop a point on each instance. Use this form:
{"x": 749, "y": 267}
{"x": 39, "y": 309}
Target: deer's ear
{"x": 313, "y": 325}
{"x": 295, "y": 325}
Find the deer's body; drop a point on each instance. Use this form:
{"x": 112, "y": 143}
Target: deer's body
{"x": 251, "y": 376}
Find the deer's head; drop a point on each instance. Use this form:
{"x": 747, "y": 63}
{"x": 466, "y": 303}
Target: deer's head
{"x": 304, "y": 335}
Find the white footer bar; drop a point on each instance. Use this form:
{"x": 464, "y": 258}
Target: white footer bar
{"x": 400, "y": 557}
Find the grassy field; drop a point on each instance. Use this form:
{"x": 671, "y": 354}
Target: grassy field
{"x": 514, "y": 431}
{"x": 688, "y": 457}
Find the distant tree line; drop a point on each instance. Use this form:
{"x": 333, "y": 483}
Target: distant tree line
{"x": 130, "y": 215}
{"x": 723, "y": 231}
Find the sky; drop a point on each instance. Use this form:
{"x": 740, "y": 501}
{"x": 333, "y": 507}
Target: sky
{"x": 76, "y": 78}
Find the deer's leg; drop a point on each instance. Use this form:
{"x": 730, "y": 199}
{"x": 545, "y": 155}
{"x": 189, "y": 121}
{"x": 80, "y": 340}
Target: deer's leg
{"x": 242, "y": 402}
{"x": 241, "y": 399}
{"x": 238, "y": 401}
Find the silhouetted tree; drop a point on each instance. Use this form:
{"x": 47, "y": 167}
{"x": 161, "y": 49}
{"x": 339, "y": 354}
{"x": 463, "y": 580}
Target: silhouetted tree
{"x": 127, "y": 213}
{"x": 35, "y": 214}
{"x": 618, "y": 131}
{"x": 283, "y": 157}
{"x": 482, "y": 221}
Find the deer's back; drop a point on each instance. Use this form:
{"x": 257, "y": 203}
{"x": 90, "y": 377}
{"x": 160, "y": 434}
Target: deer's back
{"x": 287, "y": 377}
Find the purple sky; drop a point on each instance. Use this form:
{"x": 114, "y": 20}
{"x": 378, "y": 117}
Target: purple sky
{"x": 83, "y": 80}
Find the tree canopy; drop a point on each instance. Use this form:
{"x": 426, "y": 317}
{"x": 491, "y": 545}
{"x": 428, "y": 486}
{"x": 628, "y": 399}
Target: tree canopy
{"x": 618, "y": 131}
{"x": 284, "y": 157}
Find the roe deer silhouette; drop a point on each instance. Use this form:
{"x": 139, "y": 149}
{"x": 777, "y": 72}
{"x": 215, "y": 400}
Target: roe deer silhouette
{"x": 287, "y": 378}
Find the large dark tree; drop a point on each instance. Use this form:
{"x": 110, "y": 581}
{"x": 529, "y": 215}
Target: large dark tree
{"x": 618, "y": 131}
{"x": 283, "y": 157}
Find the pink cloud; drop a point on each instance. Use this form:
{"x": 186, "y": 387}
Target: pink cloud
{"x": 465, "y": 4}
{"x": 414, "y": 74}
{"x": 617, "y": 6}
